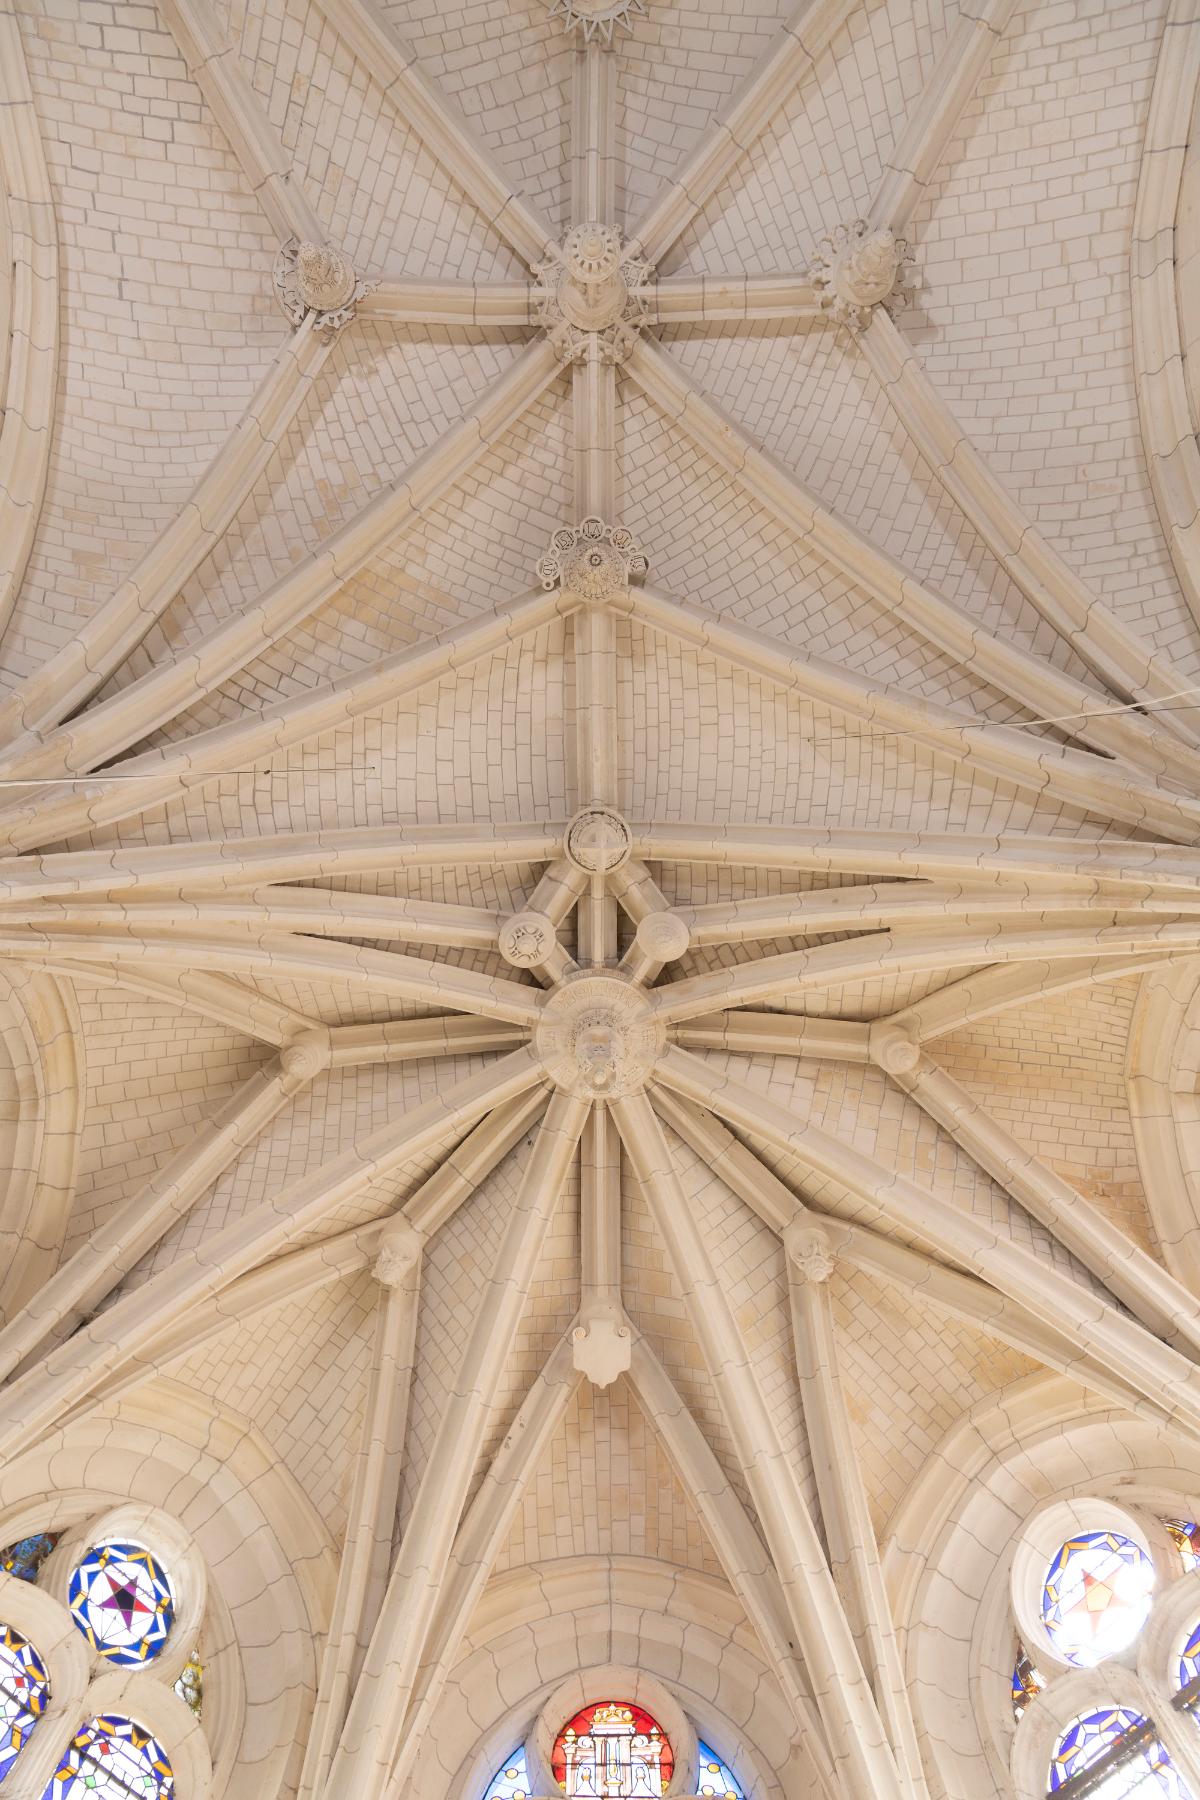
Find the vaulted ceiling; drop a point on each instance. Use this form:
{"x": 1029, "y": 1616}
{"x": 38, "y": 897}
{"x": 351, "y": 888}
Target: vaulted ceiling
{"x": 604, "y": 1041}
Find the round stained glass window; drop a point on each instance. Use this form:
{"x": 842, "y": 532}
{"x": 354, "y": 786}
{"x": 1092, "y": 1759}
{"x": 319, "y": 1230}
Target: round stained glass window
{"x": 612, "y": 1747}
{"x": 24, "y": 1690}
{"x": 1097, "y": 1595}
{"x": 111, "y": 1758}
{"x": 120, "y": 1599}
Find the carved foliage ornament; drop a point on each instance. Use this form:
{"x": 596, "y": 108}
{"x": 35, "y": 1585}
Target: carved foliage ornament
{"x": 592, "y": 296}
{"x": 856, "y": 269}
{"x": 317, "y": 278}
{"x": 592, "y": 559}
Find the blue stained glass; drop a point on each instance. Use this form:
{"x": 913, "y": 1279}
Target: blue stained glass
{"x": 510, "y": 1782}
{"x": 24, "y": 1690}
{"x": 716, "y": 1777}
{"x": 1027, "y": 1681}
{"x": 1149, "y": 1773}
{"x": 1189, "y": 1659}
{"x": 1097, "y": 1595}
{"x": 111, "y": 1758}
{"x": 1186, "y": 1536}
{"x": 120, "y": 1599}
{"x": 24, "y": 1558}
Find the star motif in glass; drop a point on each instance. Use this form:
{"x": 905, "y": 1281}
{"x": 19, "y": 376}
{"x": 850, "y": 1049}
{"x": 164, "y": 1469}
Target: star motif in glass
{"x": 24, "y": 1690}
{"x": 121, "y": 1600}
{"x": 1097, "y": 1595}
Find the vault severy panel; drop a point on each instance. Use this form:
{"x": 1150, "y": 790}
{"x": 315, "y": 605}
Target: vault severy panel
{"x": 910, "y": 1374}
{"x": 389, "y": 204}
{"x": 716, "y": 546}
{"x": 1054, "y": 1072}
{"x": 1055, "y": 303}
{"x": 785, "y": 758}
{"x": 508, "y": 68}
{"x": 298, "y": 1373}
{"x": 155, "y": 1075}
{"x": 321, "y": 1121}
{"x": 380, "y": 401}
{"x": 455, "y": 1273}
{"x": 819, "y": 158}
{"x": 813, "y": 402}
{"x": 173, "y": 312}
{"x": 605, "y": 1487}
{"x": 673, "y": 87}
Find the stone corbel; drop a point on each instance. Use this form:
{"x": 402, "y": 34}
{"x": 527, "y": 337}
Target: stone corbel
{"x": 401, "y": 1246}
{"x": 809, "y": 1249}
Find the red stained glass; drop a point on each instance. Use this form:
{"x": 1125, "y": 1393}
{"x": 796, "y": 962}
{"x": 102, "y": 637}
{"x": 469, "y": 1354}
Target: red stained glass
{"x": 612, "y": 1748}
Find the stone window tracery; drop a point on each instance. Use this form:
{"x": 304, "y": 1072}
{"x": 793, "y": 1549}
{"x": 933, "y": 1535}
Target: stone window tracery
{"x": 112, "y": 1758}
{"x": 1107, "y": 1605}
{"x": 24, "y": 1690}
{"x": 617, "y": 1750}
{"x": 99, "y": 1655}
{"x": 120, "y": 1598}
{"x": 1096, "y": 1596}
{"x": 612, "y": 1748}
{"x": 1113, "y": 1754}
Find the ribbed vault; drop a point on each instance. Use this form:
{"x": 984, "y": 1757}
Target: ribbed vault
{"x": 580, "y": 800}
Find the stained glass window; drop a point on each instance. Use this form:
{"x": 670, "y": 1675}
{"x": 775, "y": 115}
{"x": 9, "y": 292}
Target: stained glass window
{"x": 111, "y": 1758}
{"x": 511, "y": 1782}
{"x": 24, "y": 1689}
{"x": 24, "y": 1558}
{"x": 120, "y": 1599}
{"x": 190, "y": 1686}
{"x": 715, "y": 1776}
{"x": 1146, "y": 1772}
{"x": 1097, "y": 1596}
{"x": 1189, "y": 1659}
{"x": 1187, "y": 1541}
{"x": 1027, "y": 1681}
{"x": 612, "y": 1748}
